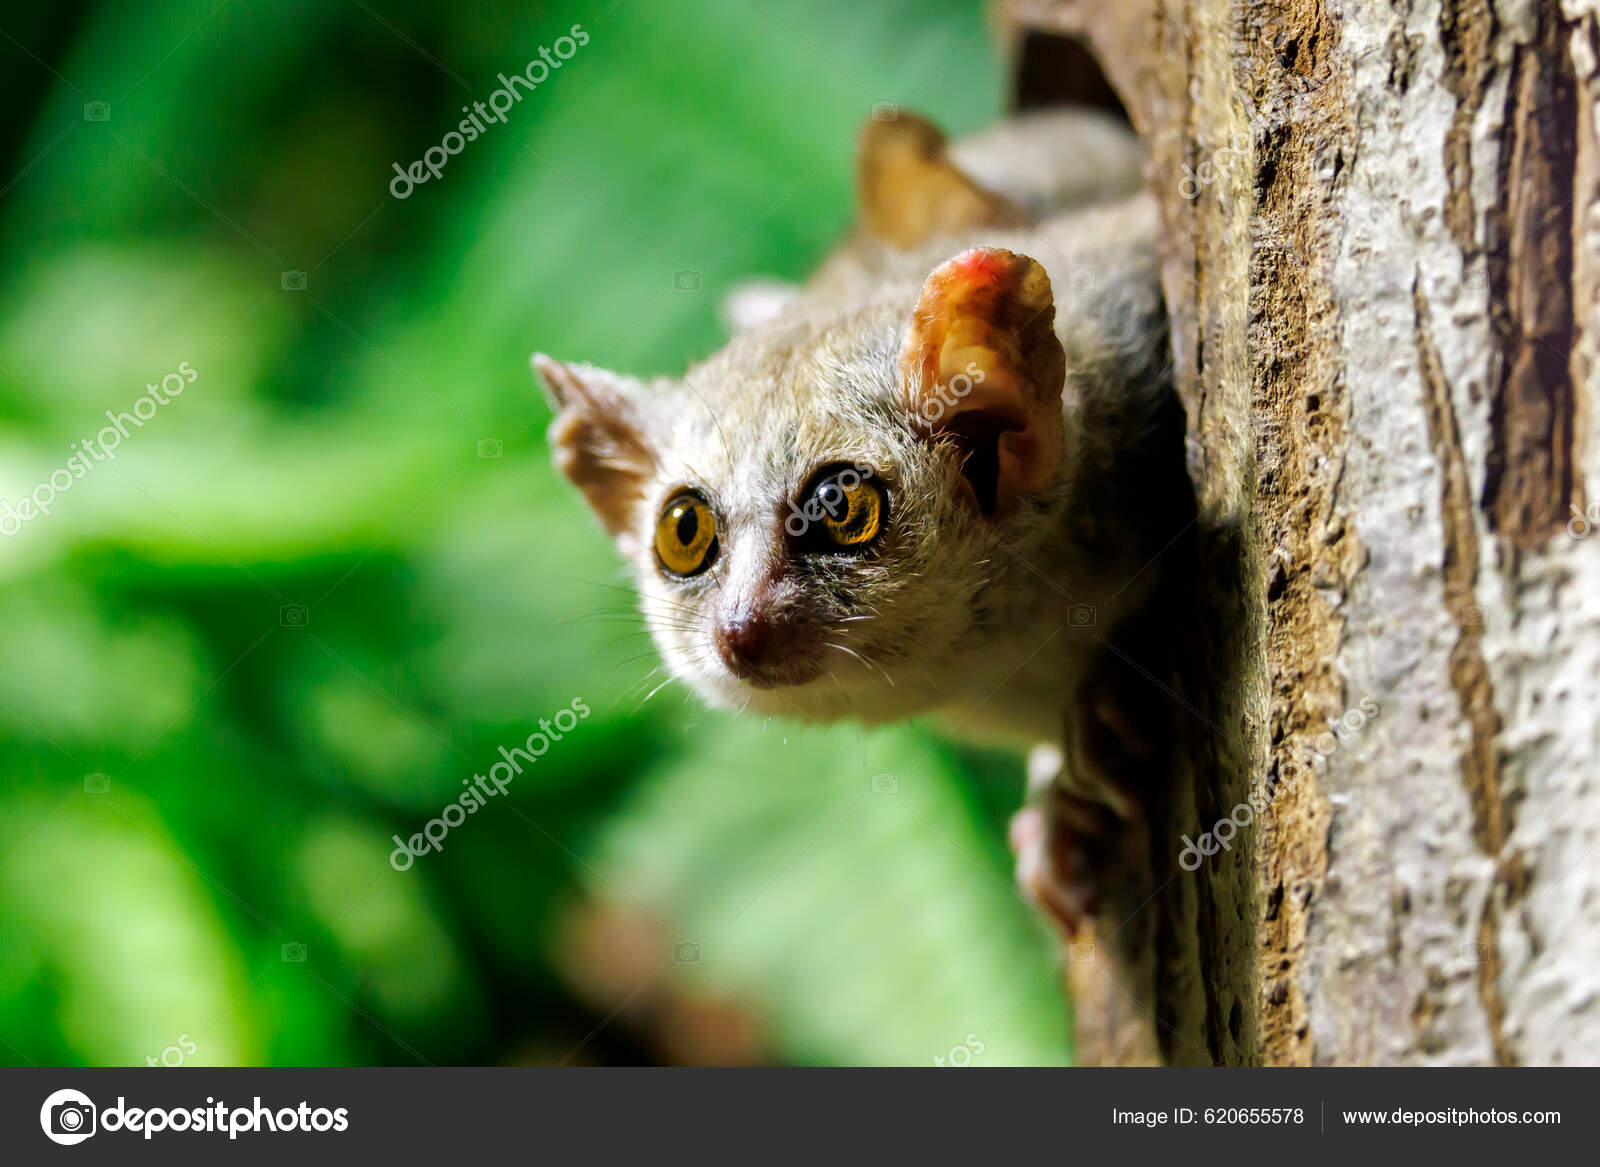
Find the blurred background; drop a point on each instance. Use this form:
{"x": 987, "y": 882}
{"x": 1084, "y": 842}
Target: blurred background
{"x": 318, "y": 590}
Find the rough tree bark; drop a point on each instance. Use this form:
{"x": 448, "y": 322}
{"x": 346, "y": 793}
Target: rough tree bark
{"x": 1382, "y": 259}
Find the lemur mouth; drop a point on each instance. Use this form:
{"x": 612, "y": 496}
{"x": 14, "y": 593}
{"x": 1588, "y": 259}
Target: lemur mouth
{"x": 790, "y": 673}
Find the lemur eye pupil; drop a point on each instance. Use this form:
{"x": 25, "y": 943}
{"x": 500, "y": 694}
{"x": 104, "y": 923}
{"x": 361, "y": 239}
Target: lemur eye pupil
{"x": 688, "y": 522}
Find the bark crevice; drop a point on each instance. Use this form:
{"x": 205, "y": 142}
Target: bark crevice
{"x": 1530, "y": 481}
{"x": 1469, "y": 672}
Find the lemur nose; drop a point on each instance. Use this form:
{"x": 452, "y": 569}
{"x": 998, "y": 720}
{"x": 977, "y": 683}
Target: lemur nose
{"x": 742, "y": 640}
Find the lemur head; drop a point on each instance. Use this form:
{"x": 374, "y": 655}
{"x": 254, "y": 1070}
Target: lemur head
{"x": 829, "y": 510}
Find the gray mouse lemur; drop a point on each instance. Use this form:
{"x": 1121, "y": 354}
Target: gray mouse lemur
{"x": 939, "y": 479}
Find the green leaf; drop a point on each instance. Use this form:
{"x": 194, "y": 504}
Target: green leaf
{"x": 843, "y": 883}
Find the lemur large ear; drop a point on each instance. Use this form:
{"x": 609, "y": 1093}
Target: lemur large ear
{"x": 597, "y": 439}
{"x": 981, "y": 365}
{"x": 907, "y": 188}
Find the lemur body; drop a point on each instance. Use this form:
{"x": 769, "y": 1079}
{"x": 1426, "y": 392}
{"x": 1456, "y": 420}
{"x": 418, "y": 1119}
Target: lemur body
{"x": 936, "y": 480}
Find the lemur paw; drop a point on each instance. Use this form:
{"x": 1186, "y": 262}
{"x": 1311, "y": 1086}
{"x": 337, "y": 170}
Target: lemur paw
{"x": 1061, "y": 839}
{"x": 1052, "y": 869}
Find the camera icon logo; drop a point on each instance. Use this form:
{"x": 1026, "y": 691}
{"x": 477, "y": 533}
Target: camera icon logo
{"x": 686, "y": 953}
{"x": 294, "y": 953}
{"x": 885, "y": 784}
{"x": 686, "y": 280}
{"x": 491, "y": 448}
{"x": 885, "y": 111}
{"x": 294, "y": 281}
{"x": 1081, "y": 615}
{"x": 1082, "y": 279}
{"x": 96, "y": 111}
{"x": 293, "y": 615}
{"x": 1080, "y": 952}
{"x": 96, "y": 784}
{"x": 68, "y": 1117}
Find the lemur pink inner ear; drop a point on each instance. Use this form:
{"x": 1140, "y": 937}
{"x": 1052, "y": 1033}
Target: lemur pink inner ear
{"x": 597, "y": 439}
{"x": 981, "y": 365}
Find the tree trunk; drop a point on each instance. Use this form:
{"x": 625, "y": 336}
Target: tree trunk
{"x": 1382, "y": 260}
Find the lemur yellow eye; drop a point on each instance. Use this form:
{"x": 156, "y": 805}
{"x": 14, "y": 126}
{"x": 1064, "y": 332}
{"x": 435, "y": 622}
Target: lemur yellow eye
{"x": 847, "y": 505}
{"x": 686, "y": 535}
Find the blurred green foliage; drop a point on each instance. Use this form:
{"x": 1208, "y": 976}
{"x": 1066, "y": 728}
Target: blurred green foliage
{"x": 299, "y": 608}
